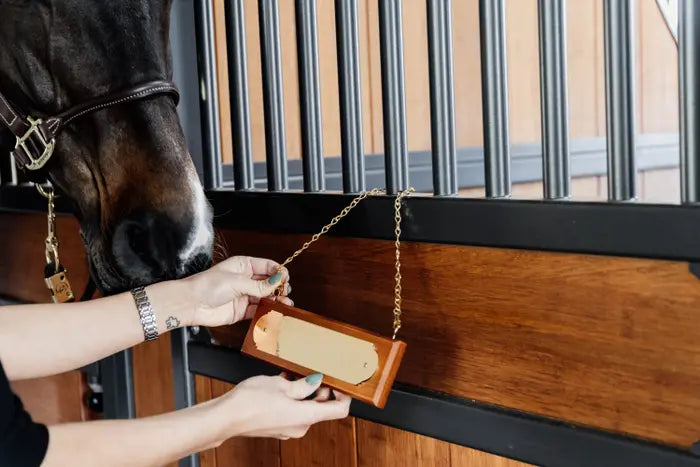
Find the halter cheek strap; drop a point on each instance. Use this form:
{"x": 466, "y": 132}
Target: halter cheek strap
{"x": 36, "y": 137}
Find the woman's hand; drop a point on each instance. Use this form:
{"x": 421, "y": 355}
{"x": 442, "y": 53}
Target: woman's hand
{"x": 230, "y": 291}
{"x": 274, "y": 407}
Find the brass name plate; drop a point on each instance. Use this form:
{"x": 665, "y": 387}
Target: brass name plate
{"x": 330, "y": 352}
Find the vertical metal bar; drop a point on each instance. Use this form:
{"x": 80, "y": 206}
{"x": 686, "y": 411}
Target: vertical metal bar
{"x": 183, "y": 382}
{"x": 618, "y": 21}
{"x": 554, "y": 99}
{"x": 208, "y": 94}
{"x": 689, "y": 81}
{"x": 350, "y": 91}
{"x": 273, "y": 95}
{"x": 442, "y": 100}
{"x": 243, "y": 177}
{"x": 118, "y": 385}
{"x": 393, "y": 96}
{"x": 494, "y": 94}
{"x": 310, "y": 97}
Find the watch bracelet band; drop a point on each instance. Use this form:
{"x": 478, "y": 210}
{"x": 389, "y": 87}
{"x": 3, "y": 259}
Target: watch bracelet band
{"x": 146, "y": 314}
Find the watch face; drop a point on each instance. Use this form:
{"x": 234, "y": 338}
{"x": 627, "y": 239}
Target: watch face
{"x": 669, "y": 10}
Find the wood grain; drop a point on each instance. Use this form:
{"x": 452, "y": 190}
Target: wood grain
{"x": 466, "y": 457}
{"x": 54, "y": 399}
{"x": 382, "y": 446}
{"x": 224, "y": 99}
{"x": 328, "y": 443}
{"x": 245, "y": 452}
{"x": 373, "y": 391}
{"x": 203, "y": 392}
{"x": 153, "y": 377}
{"x": 600, "y": 341}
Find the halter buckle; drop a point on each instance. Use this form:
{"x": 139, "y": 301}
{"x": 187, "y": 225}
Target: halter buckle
{"x": 32, "y": 143}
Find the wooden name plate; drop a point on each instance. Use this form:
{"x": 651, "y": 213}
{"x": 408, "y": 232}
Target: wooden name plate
{"x": 354, "y": 361}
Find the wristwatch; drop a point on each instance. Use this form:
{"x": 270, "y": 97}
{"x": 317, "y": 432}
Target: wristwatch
{"x": 146, "y": 313}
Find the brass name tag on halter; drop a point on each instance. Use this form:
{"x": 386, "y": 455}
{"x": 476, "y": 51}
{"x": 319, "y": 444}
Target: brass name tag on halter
{"x": 54, "y": 273}
{"x": 59, "y": 287}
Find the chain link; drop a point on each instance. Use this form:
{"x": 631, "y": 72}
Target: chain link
{"x": 51, "y": 242}
{"x": 397, "y": 243}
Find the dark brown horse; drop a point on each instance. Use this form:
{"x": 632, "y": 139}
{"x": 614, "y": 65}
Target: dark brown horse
{"x": 127, "y": 170}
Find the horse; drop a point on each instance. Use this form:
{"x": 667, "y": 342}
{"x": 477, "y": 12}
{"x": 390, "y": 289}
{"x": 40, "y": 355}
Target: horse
{"x": 125, "y": 169}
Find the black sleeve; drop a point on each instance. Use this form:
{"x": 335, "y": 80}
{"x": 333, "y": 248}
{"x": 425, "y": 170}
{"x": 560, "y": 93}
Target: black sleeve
{"x": 22, "y": 442}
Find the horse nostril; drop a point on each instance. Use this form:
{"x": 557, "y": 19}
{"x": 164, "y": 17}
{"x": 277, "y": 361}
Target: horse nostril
{"x": 137, "y": 238}
{"x": 148, "y": 246}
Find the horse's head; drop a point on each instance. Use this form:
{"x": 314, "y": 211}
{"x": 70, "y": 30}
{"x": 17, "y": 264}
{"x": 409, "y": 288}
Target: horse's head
{"x": 126, "y": 168}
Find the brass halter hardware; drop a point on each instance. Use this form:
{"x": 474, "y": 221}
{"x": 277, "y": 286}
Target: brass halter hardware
{"x": 55, "y": 275}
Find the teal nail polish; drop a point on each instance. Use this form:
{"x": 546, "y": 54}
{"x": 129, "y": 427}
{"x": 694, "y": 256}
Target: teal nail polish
{"x": 275, "y": 278}
{"x": 314, "y": 379}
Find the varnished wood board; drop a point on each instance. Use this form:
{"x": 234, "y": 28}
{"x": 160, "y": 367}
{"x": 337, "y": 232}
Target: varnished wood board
{"x": 373, "y": 391}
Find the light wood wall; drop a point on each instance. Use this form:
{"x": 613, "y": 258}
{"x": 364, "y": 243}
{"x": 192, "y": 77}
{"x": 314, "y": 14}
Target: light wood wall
{"x": 657, "y": 81}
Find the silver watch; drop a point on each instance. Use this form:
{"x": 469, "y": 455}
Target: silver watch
{"x": 146, "y": 313}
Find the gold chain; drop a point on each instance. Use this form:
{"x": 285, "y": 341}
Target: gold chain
{"x": 397, "y": 243}
{"x": 51, "y": 242}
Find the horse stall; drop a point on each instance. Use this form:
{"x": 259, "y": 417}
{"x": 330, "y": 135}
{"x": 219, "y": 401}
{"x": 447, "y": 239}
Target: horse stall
{"x": 550, "y": 253}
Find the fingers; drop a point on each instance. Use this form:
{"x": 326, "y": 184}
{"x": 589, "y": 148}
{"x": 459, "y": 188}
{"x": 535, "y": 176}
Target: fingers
{"x": 303, "y": 388}
{"x": 263, "y": 267}
{"x": 250, "y": 266}
{"x": 330, "y": 410}
{"x": 322, "y": 395}
{"x": 259, "y": 288}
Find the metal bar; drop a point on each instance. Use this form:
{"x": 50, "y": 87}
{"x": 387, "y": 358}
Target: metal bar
{"x": 506, "y": 432}
{"x": 273, "y": 95}
{"x": 554, "y": 99}
{"x": 494, "y": 92}
{"x": 442, "y": 100}
{"x": 118, "y": 385}
{"x": 350, "y": 93}
{"x": 208, "y": 94}
{"x": 310, "y": 96}
{"x": 618, "y": 20}
{"x": 689, "y": 87}
{"x": 393, "y": 95}
{"x": 183, "y": 382}
{"x": 631, "y": 229}
{"x": 243, "y": 178}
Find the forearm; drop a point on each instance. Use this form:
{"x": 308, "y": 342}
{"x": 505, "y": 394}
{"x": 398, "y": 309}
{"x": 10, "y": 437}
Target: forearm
{"x": 40, "y": 340}
{"x": 152, "y": 441}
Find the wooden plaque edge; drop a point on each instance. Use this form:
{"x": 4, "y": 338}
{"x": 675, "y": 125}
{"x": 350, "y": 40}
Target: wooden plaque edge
{"x": 386, "y": 377}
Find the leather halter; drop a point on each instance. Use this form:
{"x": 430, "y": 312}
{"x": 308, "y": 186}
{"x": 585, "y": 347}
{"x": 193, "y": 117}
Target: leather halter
{"x": 36, "y": 137}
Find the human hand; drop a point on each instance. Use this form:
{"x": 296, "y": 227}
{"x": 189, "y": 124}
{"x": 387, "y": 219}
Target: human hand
{"x": 274, "y": 407}
{"x": 224, "y": 294}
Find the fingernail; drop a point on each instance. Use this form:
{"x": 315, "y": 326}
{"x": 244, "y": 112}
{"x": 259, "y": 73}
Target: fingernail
{"x": 275, "y": 278}
{"x": 314, "y": 379}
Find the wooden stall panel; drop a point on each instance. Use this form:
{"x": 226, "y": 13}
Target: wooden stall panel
{"x": 601, "y": 341}
{"x": 54, "y": 399}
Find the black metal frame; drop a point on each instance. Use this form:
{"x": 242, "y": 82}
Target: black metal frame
{"x": 623, "y": 229}
{"x": 526, "y": 437}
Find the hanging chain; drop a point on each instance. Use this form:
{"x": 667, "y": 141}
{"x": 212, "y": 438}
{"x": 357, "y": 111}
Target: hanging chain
{"x": 397, "y": 244}
{"x": 51, "y": 242}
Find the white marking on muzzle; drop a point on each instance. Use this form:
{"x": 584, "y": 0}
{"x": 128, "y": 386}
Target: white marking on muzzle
{"x": 201, "y": 236}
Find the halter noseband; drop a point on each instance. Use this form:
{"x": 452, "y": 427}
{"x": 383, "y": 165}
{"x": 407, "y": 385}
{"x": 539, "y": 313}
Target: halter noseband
{"x": 36, "y": 137}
